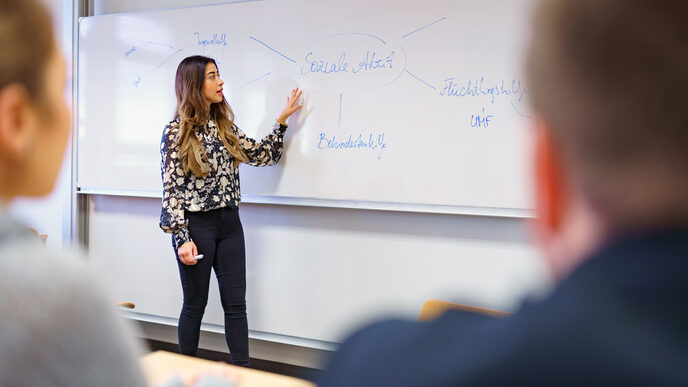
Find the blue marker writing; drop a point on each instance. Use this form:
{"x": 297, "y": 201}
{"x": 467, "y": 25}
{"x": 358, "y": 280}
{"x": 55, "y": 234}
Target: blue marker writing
{"x": 483, "y": 120}
{"x": 360, "y": 142}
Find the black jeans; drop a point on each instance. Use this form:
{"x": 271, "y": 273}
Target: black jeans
{"x": 219, "y": 236}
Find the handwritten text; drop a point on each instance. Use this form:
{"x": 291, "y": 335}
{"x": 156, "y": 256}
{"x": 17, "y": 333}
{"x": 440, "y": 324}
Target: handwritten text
{"x": 216, "y": 40}
{"x": 371, "y": 61}
{"x": 481, "y": 120}
{"x": 360, "y": 142}
{"x": 481, "y": 87}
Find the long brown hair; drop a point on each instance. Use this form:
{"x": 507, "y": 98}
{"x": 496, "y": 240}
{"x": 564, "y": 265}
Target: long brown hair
{"x": 193, "y": 112}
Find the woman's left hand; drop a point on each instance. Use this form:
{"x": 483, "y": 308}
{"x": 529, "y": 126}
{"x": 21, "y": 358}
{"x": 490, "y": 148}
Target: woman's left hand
{"x": 291, "y": 107}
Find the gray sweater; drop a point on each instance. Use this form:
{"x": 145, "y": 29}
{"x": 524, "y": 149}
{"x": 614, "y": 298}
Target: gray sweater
{"x": 57, "y": 326}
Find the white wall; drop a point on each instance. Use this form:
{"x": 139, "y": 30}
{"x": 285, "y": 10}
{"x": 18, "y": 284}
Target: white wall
{"x": 315, "y": 273}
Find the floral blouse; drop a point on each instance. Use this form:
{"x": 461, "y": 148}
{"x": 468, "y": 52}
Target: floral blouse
{"x": 221, "y": 187}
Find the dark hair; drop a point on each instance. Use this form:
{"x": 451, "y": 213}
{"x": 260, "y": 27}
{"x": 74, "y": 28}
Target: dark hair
{"x": 193, "y": 112}
{"x": 611, "y": 78}
{"x": 27, "y": 44}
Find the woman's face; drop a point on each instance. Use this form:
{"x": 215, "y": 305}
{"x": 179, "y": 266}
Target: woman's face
{"x": 52, "y": 130}
{"x": 34, "y": 133}
{"x": 212, "y": 85}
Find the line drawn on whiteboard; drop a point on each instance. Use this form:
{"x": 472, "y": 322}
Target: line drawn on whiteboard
{"x": 424, "y": 27}
{"x": 161, "y": 44}
{"x": 409, "y": 73}
{"x": 168, "y": 58}
{"x": 131, "y": 51}
{"x": 339, "y": 125}
{"x": 169, "y": 47}
{"x": 356, "y": 33}
{"x": 249, "y": 83}
{"x": 137, "y": 81}
{"x": 530, "y": 119}
{"x": 277, "y": 52}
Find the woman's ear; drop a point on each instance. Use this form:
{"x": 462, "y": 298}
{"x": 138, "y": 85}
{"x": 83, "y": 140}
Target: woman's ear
{"x": 550, "y": 182}
{"x": 17, "y": 123}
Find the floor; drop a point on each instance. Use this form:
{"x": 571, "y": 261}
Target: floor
{"x": 259, "y": 364}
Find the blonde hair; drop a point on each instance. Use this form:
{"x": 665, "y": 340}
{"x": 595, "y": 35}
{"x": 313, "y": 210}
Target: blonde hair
{"x": 193, "y": 115}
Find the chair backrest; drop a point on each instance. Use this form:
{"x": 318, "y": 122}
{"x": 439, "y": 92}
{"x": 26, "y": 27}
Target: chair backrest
{"x": 126, "y": 305}
{"x": 434, "y": 308}
{"x": 42, "y": 237}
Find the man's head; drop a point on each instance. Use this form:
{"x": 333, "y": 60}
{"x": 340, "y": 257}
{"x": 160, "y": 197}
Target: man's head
{"x": 608, "y": 82}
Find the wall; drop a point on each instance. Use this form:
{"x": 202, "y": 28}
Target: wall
{"x": 334, "y": 268}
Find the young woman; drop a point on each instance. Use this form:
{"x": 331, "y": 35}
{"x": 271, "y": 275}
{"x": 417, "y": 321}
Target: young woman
{"x": 58, "y": 327}
{"x": 201, "y": 151}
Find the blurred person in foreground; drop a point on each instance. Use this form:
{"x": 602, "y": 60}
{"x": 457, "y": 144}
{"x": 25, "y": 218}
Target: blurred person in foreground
{"x": 608, "y": 83}
{"x": 57, "y": 327}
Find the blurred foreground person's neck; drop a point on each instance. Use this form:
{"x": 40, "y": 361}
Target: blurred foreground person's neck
{"x": 570, "y": 229}
{"x": 576, "y": 239}
{"x": 566, "y": 227}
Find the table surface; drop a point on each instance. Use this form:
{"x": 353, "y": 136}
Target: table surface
{"x": 160, "y": 366}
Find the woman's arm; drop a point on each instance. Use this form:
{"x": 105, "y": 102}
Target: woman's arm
{"x": 269, "y": 150}
{"x": 172, "y": 218}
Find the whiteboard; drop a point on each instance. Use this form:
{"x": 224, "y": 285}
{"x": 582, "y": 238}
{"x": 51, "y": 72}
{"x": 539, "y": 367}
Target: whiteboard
{"x": 405, "y": 102}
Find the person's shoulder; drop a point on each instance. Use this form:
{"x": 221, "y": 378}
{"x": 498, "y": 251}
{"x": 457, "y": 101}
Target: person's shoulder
{"x": 50, "y": 281}
{"x": 32, "y": 263}
{"x": 174, "y": 123}
{"x": 450, "y": 350}
{"x": 170, "y": 133}
{"x": 172, "y": 126}
{"x": 57, "y": 303}
{"x": 25, "y": 261}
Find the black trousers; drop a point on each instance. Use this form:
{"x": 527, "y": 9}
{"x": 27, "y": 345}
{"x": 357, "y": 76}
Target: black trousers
{"x": 219, "y": 236}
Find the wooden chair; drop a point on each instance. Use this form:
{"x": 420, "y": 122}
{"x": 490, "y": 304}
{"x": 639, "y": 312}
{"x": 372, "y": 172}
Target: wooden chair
{"x": 42, "y": 237}
{"x": 126, "y": 305}
{"x": 434, "y": 308}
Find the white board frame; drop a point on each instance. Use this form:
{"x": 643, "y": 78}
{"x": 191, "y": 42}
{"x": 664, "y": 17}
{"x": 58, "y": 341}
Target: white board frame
{"x": 350, "y": 204}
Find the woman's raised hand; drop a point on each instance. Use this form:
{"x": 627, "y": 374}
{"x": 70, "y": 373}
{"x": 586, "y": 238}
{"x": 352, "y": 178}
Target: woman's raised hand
{"x": 291, "y": 107}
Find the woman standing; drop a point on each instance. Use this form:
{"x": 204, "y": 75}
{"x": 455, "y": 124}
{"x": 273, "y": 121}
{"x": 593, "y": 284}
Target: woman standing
{"x": 201, "y": 152}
